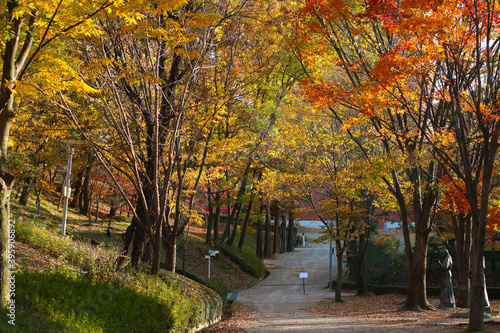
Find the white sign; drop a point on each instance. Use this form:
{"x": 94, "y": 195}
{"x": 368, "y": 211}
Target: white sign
{"x": 303, "y": 275}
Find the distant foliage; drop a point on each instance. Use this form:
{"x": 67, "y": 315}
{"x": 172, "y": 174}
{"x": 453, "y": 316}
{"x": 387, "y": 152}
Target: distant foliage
{"x": 385, "y": 265}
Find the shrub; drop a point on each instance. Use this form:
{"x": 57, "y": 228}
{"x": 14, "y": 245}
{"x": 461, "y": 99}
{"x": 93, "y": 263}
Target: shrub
{"x": 385, "y": 265}
{"x": 221, "y": 289}
{"x": 119, "y": 218}
{"x": 91, "y": 259}
{"x": 248, "y": 262}
{"x": 57, "y": 301}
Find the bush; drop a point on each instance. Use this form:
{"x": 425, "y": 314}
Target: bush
{"x": 221, "y": 289}
{"x": 60, "y": 301}
{"x": 119, "y": 218}
{"x": 93, "y": 260}
{"x": 385, "y": 265}
{"x": 248, "y": 263}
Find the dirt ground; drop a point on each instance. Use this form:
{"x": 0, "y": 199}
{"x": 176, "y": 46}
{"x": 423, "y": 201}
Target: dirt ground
{"x": 284, "y": 302}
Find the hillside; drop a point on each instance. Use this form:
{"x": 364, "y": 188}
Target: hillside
{"x": 56, "y": 275}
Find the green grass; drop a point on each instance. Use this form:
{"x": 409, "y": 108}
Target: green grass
{"x": 99, "y": 299}
{"x": 59, "y": 300}
{"x": 248, "y": 262}
{"x": 77, "y": 253}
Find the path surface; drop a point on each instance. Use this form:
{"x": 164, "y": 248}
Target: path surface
{"x": 282, "y": 305}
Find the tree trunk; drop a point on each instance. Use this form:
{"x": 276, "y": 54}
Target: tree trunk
{"x": 476, "y": 319}
{"x": 170, "y": 242}
{"x": 98, "y": 202}
{"x": 360, "y": 264}
{"x": 283, "y": 246}
{"x": 340, "y": 271}
{"x": 76, "y": 189}
{"x": 493, "y": 261}
{"x": 461, "y": 228}
{"x": 6, "y": 183}
{"x": 137, "y": 247}
{"x": 267, "y": 232}
{"x": 424, "y": 196}
{"x": 210, "y": 219}
{"x": 23, "y": 200}
{"x": 218, "y": 209}
{"x": 230, "y": 242}
{"x": 38, "y": 193}
{"x": 417, "y": 286}
{"x": 258, "y": 245}
{"x": 229, "y": 221}
{"x": 245, "y": 223}
{"x": 276, "y": 230}
{"x": 52, "y": 177}
{"x": 84, "y": 199}
{"x": 290, "y": 241}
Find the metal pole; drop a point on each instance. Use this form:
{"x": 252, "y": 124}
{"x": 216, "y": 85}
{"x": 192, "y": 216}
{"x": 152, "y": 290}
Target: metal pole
{"x": 67, "y": 189}
{"x": 330, "y": 285}
{"x": 209, "y": 257}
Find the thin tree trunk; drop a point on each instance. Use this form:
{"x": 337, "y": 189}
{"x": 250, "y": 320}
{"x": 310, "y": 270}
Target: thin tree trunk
{"x": 245, "y": 223}
{"x": 84, "y": 199}
{"x": 230, "y": 241}
{"x": 238, "y": 205}
{"x": 77, "y": 188}
{"x": 267, "y": 231}
{"x": 283, "y": 233}
{"x": 290, "y": 241}
{"x": 276, "y": 228}
{"x": 218, "y": 210}
{"x": 38, "y": 201}
{"x": 493, "y": 261}
{"x": 461, "y": 227}
{"x": 360, "y": 264}
{"x": 98, "y": 201}
{"x": 170, "y": 242}
{"x": 258, "y": 245}
{"x": 211, "y": 217}
{"x": 6, "y": 183}
{"x": 23, "y": 200}
{"x": 340, "y": 271}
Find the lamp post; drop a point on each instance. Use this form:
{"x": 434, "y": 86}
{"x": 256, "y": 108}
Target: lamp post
{"x": 330, "y": 283}
{"x": 66, "y": 190}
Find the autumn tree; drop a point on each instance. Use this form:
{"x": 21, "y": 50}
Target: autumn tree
{"x": 353, "y": 80}
{"x": 470, "y": 99}
{"x": 322, "y": 167}
{"x": 28, "y": 27}
{"x": 450, "y": 49}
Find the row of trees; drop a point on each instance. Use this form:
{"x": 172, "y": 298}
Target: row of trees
{"x": 184, "y": 102}
{"x": 420, "y": 78}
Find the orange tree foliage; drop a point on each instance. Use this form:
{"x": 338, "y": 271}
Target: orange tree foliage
{"x": 425, "y": 75}
{"x": 455, "y": 201}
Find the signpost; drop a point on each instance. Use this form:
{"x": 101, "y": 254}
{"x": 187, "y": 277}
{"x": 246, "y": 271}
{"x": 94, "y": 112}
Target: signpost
{"x": 303, "y": 276}
{"x": 211, "y": 253}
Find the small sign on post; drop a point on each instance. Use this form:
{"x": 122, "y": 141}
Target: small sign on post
{"x": 211, "y": 253}
{"x": 303, "y": 276}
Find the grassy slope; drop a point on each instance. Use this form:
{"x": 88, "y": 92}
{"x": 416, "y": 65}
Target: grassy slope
{"x": 82, "y": 293}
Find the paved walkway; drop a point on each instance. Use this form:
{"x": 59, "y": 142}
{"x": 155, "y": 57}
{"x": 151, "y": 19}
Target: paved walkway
{"x": 283, "y": 290}
{"x": 282, "y": 305}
